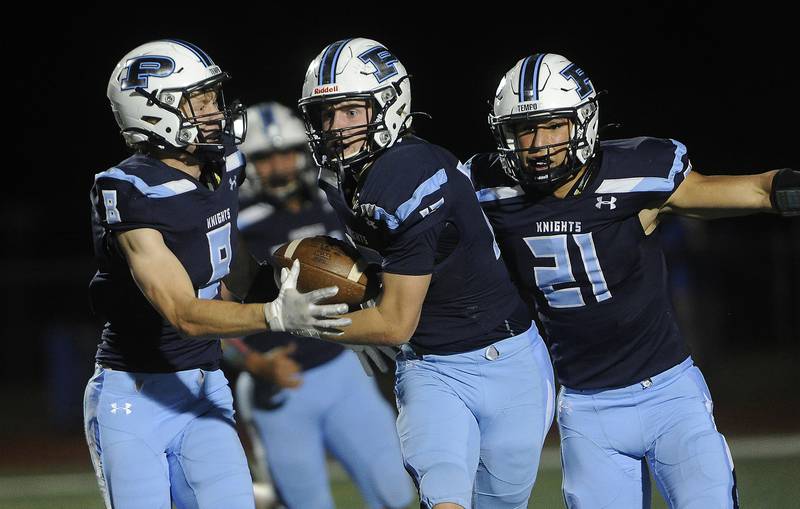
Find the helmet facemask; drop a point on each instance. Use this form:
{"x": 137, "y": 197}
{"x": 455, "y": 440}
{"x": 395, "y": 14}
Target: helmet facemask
{"x": 544, "y": 176}
{"x": 328, "y": 145}
{"x": 193, "y": 129}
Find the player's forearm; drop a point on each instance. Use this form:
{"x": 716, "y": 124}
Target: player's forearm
{"x": 213, "y": 319}
{"x": 371, "y": 327}
{"x": 713, "y": 197}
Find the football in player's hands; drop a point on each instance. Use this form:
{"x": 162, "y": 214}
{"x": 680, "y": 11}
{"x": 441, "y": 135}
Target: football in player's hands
{"x": 326, "y": 261}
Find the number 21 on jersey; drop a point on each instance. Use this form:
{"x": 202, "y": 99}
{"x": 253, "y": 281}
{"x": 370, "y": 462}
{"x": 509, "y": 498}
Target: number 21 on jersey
{"x": 555, "y": 247}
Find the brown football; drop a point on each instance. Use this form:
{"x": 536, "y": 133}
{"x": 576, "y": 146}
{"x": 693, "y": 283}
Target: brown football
{"x": 326, "y": 261}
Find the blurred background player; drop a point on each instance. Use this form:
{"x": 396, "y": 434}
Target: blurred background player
{"x": 575, "y": 219}
{"x": 158, "y": 411}
{"x": 305, "y": 396}
{"x": 474, "y": 384}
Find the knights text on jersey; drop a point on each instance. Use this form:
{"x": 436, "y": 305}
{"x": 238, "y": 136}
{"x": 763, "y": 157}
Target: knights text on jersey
{"x": 415, "y": 212}
{"x": 599, "y": 282}
{"x": 197, "y": 225}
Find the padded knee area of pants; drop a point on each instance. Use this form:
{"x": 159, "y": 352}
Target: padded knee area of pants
{"x": 445, "y": 482}
{"x": 696, "y": 470}
{"x": 701, "y": 454}
{"x": 390, "y": 480}
{"x": 493, "y": 492}
{"x": 594, "y": 478}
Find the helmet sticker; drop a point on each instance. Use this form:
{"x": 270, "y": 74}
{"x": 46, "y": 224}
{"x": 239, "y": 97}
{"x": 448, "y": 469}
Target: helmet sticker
{"x": 383, "y": 61}
{"x": 574, "y": 73}
{"x": 142, "y": 68}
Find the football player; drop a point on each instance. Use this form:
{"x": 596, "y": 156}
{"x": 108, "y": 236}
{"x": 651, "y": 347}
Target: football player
{"x": 158, "y": 411}
{"x": 306, "y": 397}
{"x": 574, "y": 218}
{"x": 473, "y": 380}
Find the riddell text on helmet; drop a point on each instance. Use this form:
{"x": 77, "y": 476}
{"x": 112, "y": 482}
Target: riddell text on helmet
{"x": 326, "y": 89}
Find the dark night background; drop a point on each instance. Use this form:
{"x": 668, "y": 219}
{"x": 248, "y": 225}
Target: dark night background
{"x": 722, "y": 81}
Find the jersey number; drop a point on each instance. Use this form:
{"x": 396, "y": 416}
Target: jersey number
{"x": 219, "y": 245}
{"x": 555, "y": 247}
{"x": 110, "y": 202}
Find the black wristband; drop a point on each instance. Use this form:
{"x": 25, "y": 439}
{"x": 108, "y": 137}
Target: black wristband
{"x": 785, "y": 194}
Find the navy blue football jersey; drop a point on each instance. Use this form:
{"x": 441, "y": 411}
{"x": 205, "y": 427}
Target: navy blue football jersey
{"x": 415, "y": 211}
{"x": 264, "y": 228}
{"x": 197, "y": 224}
{"x": 599, "y": 283}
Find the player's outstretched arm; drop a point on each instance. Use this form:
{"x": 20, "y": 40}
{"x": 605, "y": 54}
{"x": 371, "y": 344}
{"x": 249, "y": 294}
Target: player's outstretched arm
{"x": 394, "y": 319}
{"x": 710, "y": 197}
{"x": 166, "y": 285}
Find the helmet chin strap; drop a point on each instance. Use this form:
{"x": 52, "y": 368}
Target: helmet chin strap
{"x": 584, "y": 180}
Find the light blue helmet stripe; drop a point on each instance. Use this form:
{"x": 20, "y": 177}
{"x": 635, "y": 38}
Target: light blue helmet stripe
{"x": 535, "y": 87}
{"x": 327, "y": 64}
{"x": 522, "y": 79}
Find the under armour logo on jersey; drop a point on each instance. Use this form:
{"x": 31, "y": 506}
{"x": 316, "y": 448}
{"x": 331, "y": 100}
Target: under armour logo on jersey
{"x": 232, "y": 182}
{"x": 141, "y": 69}
{"x": 382, "y": 60}
{"x": 125, "y": 407}
{"x": 611, "y": 202}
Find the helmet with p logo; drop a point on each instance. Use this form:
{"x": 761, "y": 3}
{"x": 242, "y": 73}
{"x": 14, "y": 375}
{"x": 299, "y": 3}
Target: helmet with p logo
{"x": 151, "y": 84}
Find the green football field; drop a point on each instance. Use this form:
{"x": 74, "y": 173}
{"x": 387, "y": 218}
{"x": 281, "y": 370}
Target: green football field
{"x": 768, "y": 472}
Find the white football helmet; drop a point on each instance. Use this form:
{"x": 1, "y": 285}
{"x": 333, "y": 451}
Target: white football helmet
{"x": 539, "y": 88}
{"x": 273, "y": 128}
{"x": 360, "y": 69}
{"x": 148, "y": 86}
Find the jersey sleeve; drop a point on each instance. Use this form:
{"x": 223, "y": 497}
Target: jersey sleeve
{"x": 408, "y": 194}
{"x": 120, "y": 206}
{"x": 413, "y": 255}
{"x": 409, "y": 197}
{"x": 235, "y": 163}
{"x": 124, "y": 201}
{"x": 649, "y": 171}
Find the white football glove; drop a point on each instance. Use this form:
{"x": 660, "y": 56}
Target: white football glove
{"x": 299, "y": 313}
{"x": 367, "y": 353}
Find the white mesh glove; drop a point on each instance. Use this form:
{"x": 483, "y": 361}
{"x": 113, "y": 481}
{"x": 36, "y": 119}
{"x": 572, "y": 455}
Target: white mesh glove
{"x": 375, "y": 354}
{"x": 299, "y": 313}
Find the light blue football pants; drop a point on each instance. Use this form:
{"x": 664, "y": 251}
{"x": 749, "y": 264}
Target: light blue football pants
{"x": 667, "y": 420}
{"x": 161, "y": 438}
{"x": 472, "y": 425}
{"x": 339, "y": 409}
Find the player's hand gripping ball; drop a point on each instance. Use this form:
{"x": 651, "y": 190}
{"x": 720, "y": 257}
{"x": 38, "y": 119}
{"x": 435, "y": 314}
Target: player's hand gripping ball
{"x": 325, "y": 261}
